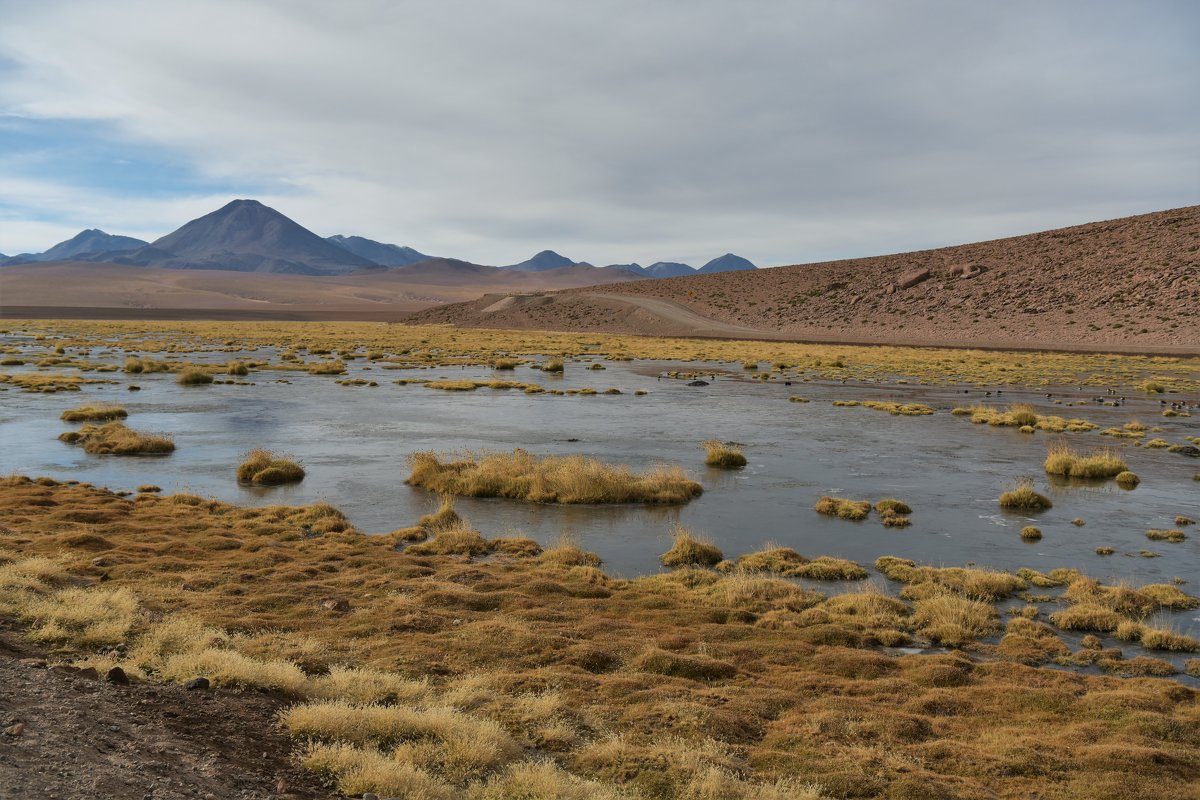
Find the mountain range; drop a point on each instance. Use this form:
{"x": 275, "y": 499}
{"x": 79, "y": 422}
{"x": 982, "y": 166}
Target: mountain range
{"x": 247, "y": 236}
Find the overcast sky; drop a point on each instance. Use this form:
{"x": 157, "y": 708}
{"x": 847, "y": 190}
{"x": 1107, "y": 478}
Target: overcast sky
{"x": 610, "y": 131}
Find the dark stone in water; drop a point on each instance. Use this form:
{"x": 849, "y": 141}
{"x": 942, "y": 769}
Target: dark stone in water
{"x": 698, "y": 383}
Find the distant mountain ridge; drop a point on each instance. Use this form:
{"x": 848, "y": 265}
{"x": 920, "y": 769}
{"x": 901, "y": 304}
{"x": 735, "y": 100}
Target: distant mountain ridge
{"x": 388, "y": 255}
{"x": 248, "y": 236}
{"x": 85, "y": 243}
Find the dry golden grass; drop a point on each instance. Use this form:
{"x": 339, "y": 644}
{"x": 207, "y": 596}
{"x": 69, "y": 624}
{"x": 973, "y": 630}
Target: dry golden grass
{"x": 680, "y": 684}
{"x": 954, "y": 620}
{"x": 721, "y": 454}
{"x": 94, "y": 412}
{"x": 553, "y": 479}
{"x": 687, "y": 550}
{"x": 194, "y": 376}
{"x": 842, "y": 508}
{"x": 1023, "y": 497}
{"x": 114, "y": 438}
{"x": 1062, "y": 459}
{"x": 265, "y": 468}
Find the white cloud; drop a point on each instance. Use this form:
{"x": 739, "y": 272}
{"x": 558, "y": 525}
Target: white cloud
{"x": 620, "y": 130}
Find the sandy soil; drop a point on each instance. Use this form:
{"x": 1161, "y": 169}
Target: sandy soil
{"x": 1128, "y": 285}
{"x": 72, "y": 737}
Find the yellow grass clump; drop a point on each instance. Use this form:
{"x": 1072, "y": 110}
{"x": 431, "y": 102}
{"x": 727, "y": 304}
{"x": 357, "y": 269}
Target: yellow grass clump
{"x": 94, "y": 413}
{"x": 264, "y": 468}
{"x": 194, "y": 376}
{"x": 1062, "y": 459}
{"x": 689, "y": 551}
{"x": 552, "y": 479}
{"x": 724, "y": 455}
{"x": 1024, "y": 497}
{"x": 114, "y": 438}
{"x": 843, "y": 508}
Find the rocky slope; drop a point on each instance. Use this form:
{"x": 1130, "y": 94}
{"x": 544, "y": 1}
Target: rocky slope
{"x": 1124, "y": 284}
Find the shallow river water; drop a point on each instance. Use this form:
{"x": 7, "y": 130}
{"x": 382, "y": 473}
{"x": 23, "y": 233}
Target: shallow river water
{"x": 354, "y": 441}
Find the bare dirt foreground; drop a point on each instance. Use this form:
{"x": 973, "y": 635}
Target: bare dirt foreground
{"x": 69, "y": 735}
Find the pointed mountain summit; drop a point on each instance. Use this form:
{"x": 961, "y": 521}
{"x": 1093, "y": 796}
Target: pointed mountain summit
{"x": 389, "y": 255}
{"x": 545, "y": 260}
{"x": 84, "y": 244}
{"x": 726, "y": 263}
{"x": 246, "y": 236}
{"x": 669, "y": 269}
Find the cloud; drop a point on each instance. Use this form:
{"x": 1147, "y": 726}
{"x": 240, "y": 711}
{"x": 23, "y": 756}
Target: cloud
{"x": 618, "y": 130}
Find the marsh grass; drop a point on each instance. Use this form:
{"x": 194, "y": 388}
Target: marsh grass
{"x": 114, "y": 438}
{"x": 682, "y": 684}
{"x": 1159, "y": 535}
{"x": 455, "y": 539}
{"x": 552, "y": 479}
{"x": 688, "y": 550}
{"x": 899, "y": 409}
{"x": 1127, "y": 479}
{"x": 552, "y": 365}
{"x": 193, "y": 376}
{"x": 723, "y": 455}
{"x": 327, "y": 368}
{"x": 1023, "y": 497}
{"x": 445, "y": 517}
{"x": 265, "y": 468}
{"x": 843, "y": 508}
{"x": 94, "y": 413}
{"x": 1062, "y": 459}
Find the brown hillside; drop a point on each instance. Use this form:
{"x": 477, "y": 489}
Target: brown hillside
{"x": 91, "y": 290}
{"x": 1125, "y": 284}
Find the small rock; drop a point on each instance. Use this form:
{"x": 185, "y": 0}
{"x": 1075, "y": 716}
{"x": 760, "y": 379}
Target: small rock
{"x": 196, "y": 684}
{"x": 90, "y": 673}
{"x": 100, "y": 561}
{"x": 370, "y": 796}
{"x": 36, "y": 663}
{"x": 16, "y": 729}
{"x": 698, "y": 383}
{"x": 911, "y": 279}
{"x": 339, "y": 604}
{"x": 117, "y": 675}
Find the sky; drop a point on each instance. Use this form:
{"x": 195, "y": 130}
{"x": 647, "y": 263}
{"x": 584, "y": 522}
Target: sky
{"x": 787, "y": 131}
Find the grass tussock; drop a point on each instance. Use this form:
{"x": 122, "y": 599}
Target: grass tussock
{"x": 114, "y": 438}
{"x": 953, "y": 620}
{"x": 458, "y": 539}
{"x": 723, "y": 455}
{"x": 265, "y": 468}
{"x": 843, "y": 508}
{"x": 786, "y": 562}
{"x": 1128, "y": 480}
{"x": 327, "y": 368}
{"x": 573, "y": 479}
{"x": 443, "y": 519}
{"x": 687, "y": 550}
{"x": 1062, "y": 459}
{"x": 1023, "y": 497}
{"x": 1158, "y": 535}
{"x": 193, "y": 376}
{"x": 94, "y": 413}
